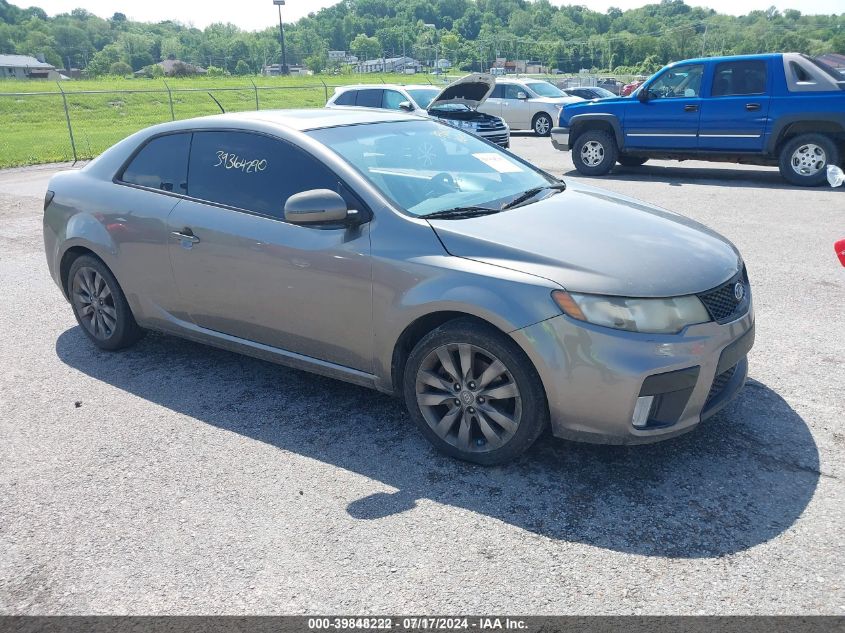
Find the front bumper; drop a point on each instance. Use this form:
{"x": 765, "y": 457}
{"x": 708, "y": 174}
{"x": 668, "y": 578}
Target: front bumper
{"x": 502, "y": 138}
{"x": 560, "y": 138}
{"x": 593, "y": 376}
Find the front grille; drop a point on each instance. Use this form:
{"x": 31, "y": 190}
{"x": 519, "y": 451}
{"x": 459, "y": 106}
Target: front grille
{"x": 492, "y": 125}
{"x": 719, "y": 383}
{"x": 498, "y": 139}
{"x": 721, "y": 302}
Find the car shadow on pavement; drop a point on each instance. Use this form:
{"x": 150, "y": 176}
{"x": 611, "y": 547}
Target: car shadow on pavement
{"x": 739, "y": 480}
{"x": 717, "y": 177}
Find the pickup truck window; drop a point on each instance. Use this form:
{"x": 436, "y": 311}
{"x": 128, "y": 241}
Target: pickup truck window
{"x": 740, "y": 78}
{"x": 678, "y": 82}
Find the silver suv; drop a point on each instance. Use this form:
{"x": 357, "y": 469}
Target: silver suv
{"x": 400, "y": 254}
{"x": 527, "y": 104}
{"x": 457, "y": 104}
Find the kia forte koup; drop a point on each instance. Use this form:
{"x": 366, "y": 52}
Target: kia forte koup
{"x": 412, "y": 257}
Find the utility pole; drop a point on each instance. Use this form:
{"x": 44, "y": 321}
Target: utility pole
{"x": 283, "y": 69}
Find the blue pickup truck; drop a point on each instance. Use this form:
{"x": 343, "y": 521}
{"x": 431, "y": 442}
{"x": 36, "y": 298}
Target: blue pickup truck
{"x": 782, "y": 109}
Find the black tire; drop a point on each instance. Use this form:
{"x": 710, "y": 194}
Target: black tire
{"x": 631, "y": 161}
{"x": 542, "y": 124}
{"x": 528, "y": 408}
{"x": 594, "y": 153}
{"x": 111, "y": 325}
{"x": 808, "y": 153}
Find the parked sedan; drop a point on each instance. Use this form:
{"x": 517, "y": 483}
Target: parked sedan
{"x": 397, "y": 253}
{"x": 457, "y": 104}
{"x": 588, "y": 92}
{"x": 529, "y": 104}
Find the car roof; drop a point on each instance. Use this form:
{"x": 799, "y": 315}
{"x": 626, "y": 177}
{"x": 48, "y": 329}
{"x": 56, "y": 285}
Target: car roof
{"x": 301, "y": 120}
{"x": 383, "y": 86}
{"x": 729, "y": 58}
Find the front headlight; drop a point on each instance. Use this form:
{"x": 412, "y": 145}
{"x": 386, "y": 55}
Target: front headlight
{"x": 468, "y": 125}
{"x": 655, "y": 316}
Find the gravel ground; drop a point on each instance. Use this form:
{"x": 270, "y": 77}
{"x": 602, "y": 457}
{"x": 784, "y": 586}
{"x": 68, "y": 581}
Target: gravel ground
{"x": 176, "y": 479}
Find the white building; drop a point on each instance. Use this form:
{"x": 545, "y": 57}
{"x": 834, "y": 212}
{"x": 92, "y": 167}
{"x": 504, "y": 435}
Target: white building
{"x": 26, "y": 67}
{"x": 389, "y": 65}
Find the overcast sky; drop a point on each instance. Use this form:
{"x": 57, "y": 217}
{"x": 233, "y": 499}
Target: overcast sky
{"x": 259, "y": 14}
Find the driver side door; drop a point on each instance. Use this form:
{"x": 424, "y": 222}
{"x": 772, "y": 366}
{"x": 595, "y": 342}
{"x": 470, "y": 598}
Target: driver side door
{"x": 516, "y": 111}
{"x": 669, "y": 119}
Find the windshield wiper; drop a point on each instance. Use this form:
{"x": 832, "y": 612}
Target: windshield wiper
{"x": 460, "y": 212}
{"x": 533, "y": 192}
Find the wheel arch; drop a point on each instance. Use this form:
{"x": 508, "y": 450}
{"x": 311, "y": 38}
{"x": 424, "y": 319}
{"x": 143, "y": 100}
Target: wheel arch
{"x": 787, "y": 128}
{"x": 68, "y": 257}
{"x": 581, "y": 123}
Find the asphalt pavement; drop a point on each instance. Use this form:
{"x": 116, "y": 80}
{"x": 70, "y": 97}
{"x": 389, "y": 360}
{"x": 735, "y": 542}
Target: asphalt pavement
{"x": 177, "y": 479}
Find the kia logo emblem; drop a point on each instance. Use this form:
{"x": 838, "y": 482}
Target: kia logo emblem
{"x": 739, "y": 291}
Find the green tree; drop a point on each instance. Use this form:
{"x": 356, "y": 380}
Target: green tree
{"x": 365, "y": 47}
{"x": 242, "y": 68}
{"x": 120, "y": 69}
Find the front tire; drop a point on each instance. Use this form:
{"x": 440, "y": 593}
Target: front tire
{"x": 99, "y": 305}
{"x": 542, "y": 124}
{"x": 474, "y": 393}
{"x": 804, "y": 159}
{"x": 594, "y": 153}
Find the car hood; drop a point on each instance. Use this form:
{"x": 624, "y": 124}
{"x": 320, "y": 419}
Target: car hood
{"x": 471, "y": 91}
{"x": 589, "y": 240}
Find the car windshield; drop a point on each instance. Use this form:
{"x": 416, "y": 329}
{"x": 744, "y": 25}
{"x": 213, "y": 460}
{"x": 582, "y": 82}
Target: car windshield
{"x": 427, "y": 167}
{"x": 545, "y": 89}
{"x": 423, "y": 96}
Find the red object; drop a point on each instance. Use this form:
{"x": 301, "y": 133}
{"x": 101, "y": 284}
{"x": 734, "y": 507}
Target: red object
{"x": 629, "y": 88}
{"x": 840, "y": 251}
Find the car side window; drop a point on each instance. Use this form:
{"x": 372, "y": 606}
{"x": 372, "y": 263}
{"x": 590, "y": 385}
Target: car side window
{"x": 392, "y": 99}
{"x": 739, "y": 78}
{"x": 369, "y": 98}
{"x": 253, "y": 172}
{"x": 677, "y": 83}
{"x": 346, "y": 98}
{"x": 161, "y": 164}
{"x": 498, "y": 92}
{"x": 512, "y": 91}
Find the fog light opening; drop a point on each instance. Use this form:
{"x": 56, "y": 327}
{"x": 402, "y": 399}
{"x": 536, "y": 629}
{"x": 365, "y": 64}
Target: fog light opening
{"x": 641, "y": 411}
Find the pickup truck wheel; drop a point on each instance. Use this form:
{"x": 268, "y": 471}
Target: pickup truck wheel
{"x": 804, "y": 159}
{"x": 594, "y": 153}
{"x": 542, "y": 125}
{"x": 631, "y": 161}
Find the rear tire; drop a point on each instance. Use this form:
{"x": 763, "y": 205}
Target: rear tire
{"x": 804, "y": 159}
{"x": 99, "y": 305}
{"x": 474, "y": 394}
{"x": 542, "y": 124}
{"x": 631, "y": 161}
{"x": 594, "y": 153}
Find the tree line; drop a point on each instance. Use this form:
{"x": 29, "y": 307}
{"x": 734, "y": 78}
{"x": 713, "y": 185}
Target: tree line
{"x": 471, "y": 34}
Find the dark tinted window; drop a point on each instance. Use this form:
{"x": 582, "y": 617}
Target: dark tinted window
{"x": 346, "y": 98}
{"x": 369, "y": 98}
{"x": 252, "y": 172}
{"x": 740, "y": 78}
{"x": 161, "y": 164}
{"x": 498, "y": 92}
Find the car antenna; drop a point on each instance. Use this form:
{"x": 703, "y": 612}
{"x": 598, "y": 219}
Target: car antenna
{"x": 218, "y": 103}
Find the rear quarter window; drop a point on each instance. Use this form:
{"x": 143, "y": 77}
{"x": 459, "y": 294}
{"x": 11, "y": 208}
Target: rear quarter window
{"x": 346, "y": 98}
{"x": 162, "y": 163}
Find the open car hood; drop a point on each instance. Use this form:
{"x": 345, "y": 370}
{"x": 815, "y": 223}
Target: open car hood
{"x": 470, "y": 91}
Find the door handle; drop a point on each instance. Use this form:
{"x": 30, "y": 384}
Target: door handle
{"x": 690, "y": 107}
{"x": 186, "y": 235}
{"x": 751, "y": 107}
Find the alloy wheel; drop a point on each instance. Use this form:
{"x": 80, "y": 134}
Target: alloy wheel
{"x": 94, "y": 303}
{"x": 592, "y": 153}
{"x": 542, "y": 126}
{"x": 808, "y": 159}
{"x": 468, "y": 397}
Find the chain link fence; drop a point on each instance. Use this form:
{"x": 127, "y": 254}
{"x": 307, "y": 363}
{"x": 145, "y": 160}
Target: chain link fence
{"x": 70, "y": 125}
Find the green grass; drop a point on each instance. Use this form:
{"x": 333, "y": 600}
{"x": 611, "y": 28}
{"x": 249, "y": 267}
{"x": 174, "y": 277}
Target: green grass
{"x": 34, "y": 130}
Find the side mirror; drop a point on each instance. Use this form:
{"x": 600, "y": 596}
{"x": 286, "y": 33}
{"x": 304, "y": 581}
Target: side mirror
{"x": 522, "y": 95}
{"x": 643, "y": 95}
{"x": 316, "y": 205}
{"x": 406, "y": 106}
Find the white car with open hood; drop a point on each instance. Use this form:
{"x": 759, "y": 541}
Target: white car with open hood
{"x": 457, "y": 104}
{"x": 527, "y": 104}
